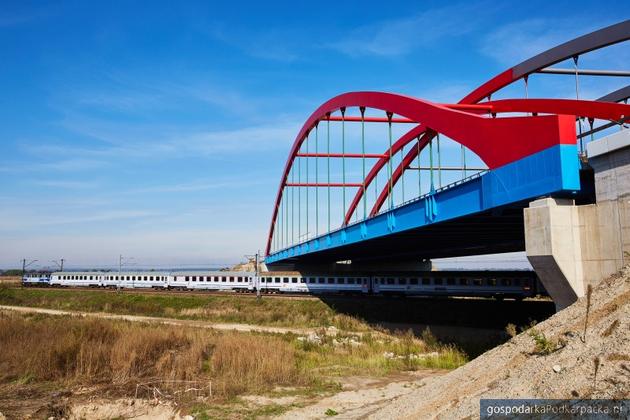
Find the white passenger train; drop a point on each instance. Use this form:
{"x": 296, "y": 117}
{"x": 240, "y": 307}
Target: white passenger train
{"x": 500, "y": 284}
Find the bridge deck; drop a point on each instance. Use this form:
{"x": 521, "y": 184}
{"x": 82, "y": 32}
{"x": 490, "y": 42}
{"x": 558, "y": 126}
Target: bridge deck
{"x": 482, "y": 215}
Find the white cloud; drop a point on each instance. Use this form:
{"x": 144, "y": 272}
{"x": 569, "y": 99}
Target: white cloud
{"x": 199, "y": 186}
{"x": 64, "y": 184}
{"x": 514, "y": 42}
{"x": 128, "y": 141}
{"x": 33, "y": 217}
{"x": 401, "y": 36}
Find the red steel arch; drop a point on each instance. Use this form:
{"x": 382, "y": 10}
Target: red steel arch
{"x": 464, "y": 124}
{"x": 484, "y": 136}
{"x": 601, "y": 38}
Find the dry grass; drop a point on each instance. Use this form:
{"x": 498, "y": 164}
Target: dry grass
{"x": 254, "y": 363}
{"x": 39, "y": 352}
{"x": 89, "y": 351}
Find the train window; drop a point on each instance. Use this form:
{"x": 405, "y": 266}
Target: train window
{"x": 151, "y": 278}
{"x": 276, "y": 279}
{"x": 187, "y": 278}
{"x": 426, "y": 280}
{"x": 294, "y": 280}
{"x": 311, "y": 279}
{"x": 91, "y": 277}
{"x": 223, "y": 279}
{"x": 321, "y": 280}
{"x": 301, "y": 279}
{"x": 350, "y": 280}
{"x": 239, "y": 279}
{"x": 463, "y": 282}
{"x": 413, "y": 281}
{"x": 231, "y": 279}
{"x": 145, "y": 278}
{"x": 437, "y": 281}
{"x": 477, "y": 282}
{"x": 285, "y": 280}
{"x": 194, "y": 278}
{"x": 450, "y": 281}
{"x": 517, "y": 282}
{"x": 390, "y": 280}
{"x": 402, "y": 281}
{"x": 491, "y": 282}
{"x": 341, "y": 280}
{"x": 505, "y": 282}
{"x": 331, "y": 280}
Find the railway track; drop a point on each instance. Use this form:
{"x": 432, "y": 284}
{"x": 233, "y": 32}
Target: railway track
{"x": 185, "y": 292}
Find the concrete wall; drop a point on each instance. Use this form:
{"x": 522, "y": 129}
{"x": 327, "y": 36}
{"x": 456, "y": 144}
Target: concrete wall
{"x": 610, "y": 159}
{"x": 573, "y": 246}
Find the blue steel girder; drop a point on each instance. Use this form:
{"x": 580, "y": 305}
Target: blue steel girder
{"x": 553, "y": 171}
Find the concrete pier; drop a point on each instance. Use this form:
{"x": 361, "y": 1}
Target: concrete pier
{"x": 573, "y": 246}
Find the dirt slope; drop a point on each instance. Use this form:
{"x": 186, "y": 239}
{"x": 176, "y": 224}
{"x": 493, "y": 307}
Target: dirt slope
{"x": 514, "y": 370}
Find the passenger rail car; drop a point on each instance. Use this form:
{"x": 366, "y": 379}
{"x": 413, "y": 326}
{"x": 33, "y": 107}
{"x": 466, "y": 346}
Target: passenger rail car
{"x": 237, "y": 281}
{"x": 498, "y": 284}
{"x": 222, "y": 280}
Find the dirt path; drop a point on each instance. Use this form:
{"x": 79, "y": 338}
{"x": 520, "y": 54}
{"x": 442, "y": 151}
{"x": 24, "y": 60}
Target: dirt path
{"x": 363, "y": 396}
{"x": 159, "y": 320}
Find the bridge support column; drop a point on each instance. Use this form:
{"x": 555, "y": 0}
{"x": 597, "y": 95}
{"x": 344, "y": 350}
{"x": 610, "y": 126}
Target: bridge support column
{"x": 573, "y": 246}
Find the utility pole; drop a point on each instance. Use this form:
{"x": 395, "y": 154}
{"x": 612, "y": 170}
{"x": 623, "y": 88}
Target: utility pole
{"x": 58, "y": 264}
{"x": 120, "y": 264}
{"x": 257, "y": 277}
{"x": 256, "y": 273}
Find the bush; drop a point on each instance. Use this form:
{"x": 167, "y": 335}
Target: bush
{"x": 543, "y": 345}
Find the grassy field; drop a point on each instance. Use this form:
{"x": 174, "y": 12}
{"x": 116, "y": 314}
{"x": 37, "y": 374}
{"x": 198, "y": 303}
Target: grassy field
{"x": 115, "y": 357}
{"x": 232, "y": 309}
{"x": 344, "y": 313}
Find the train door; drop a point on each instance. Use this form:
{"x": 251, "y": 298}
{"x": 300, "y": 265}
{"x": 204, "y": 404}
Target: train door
{"x": 376, "y": 287}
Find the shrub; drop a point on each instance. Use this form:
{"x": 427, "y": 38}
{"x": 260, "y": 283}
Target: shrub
{"x": 543, "y": 345}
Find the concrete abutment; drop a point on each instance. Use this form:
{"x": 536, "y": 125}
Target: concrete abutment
{"x": 572, "y": 246}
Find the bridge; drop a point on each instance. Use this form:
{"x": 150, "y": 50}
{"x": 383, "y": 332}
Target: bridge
{"x": 385, "y": 178}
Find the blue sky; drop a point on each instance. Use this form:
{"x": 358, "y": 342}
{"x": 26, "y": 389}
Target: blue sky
{"x": 159, "y": 129}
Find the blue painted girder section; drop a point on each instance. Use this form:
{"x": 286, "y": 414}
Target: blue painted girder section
{"x": 552, "y": 171}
